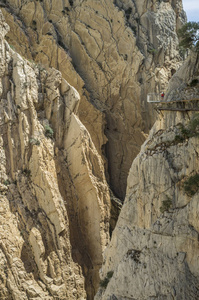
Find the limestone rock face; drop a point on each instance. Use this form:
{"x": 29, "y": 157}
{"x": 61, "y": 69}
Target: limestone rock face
{"x": 54, "y": 197}
{"x": 113, "y": 53}
{"x": 185, "y": 82}
{"x": 153, "y": 253}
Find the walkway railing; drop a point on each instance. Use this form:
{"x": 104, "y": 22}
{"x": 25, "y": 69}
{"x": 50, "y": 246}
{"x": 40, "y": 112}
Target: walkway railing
{"x": 179, "y": 105}
{"x": 154, "y": 98}
{"x": 191, "y": 104}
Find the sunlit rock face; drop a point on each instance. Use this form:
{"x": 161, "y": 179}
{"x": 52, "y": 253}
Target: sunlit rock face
{"x": 153, "y": 253}
{"x": 55, "y": 202}
{"x": 185, "y": 83}
{"x": 113, "y": 53}
{"x": 73, "y": 116}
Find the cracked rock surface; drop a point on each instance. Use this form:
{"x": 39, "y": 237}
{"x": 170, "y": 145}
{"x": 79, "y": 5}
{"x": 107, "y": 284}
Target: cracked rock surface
{"x": 54, "y": 198}
{"x": 153, "y": 253}
{"x": 153, "y": 250}
{"x": 113, "y": 53}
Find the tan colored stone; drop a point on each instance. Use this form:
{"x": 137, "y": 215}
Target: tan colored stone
{"x": 38, "y": 172}
{"x": 34, "y": 236}
{"x": 181, "y": 86}
{"x": 121, "y": 51}
{"x": 153, "y": 250}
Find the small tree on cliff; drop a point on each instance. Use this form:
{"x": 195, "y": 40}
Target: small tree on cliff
{"x": 189, "y": 36}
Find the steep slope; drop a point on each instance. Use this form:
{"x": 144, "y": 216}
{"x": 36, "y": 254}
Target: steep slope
{"x": 120, "y": 50}
{"x": 54, "y": 197}
{"x": 184, "y": 84}
{"x": 153, "y": 253}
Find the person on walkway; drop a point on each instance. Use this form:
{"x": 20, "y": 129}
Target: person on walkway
{"x": 162, "y": 95}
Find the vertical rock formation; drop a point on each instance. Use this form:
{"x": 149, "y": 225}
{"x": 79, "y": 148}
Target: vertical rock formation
{"x": 184, "y": 84}
{"x": 54, "y": 146}
{"x": 153, "y": 253}
{"x": 54, "y": 197}
{"x": 120, "y": 50}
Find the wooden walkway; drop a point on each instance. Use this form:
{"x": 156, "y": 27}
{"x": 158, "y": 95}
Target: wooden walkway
{"x": 179, "y": 105}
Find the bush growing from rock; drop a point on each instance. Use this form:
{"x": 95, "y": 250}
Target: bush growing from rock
{"x": 49, "y": 132}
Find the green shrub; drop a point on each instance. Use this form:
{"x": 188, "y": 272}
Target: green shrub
{"x": 191, "y": 130}
{"x": 179, "y": 138}
{"x": 191, "y": 185}
{"x": 12, "y": 47}
{"x": 49, "y": 133}
{"x": 34, "y": 141}
{"x": 194, "y": 125}
{"x": 152, "y": 50}
{"x": 105, "y": 281}
{"x": 166, "y": 205}
{"x": 27, "y": 172}
{"x": 189, "y": 36}
{"x": 6, "y": 182}
{"x": 109, "y": 274}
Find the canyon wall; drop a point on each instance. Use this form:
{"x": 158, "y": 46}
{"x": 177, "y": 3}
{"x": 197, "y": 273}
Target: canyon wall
{"x": 73, "y": 115}
{"x": 113, "y": 53}
{"x": 55, "y": 202}
{"x": 153, "y": 253}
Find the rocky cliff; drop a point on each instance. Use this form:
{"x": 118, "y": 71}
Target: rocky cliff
{"x": 73, "y": 116}
{"x": 184, "y": 84}
{"x": 153, "y": 253}
{"x": 54, "y": 197}
{"x": 113, "y": 53}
